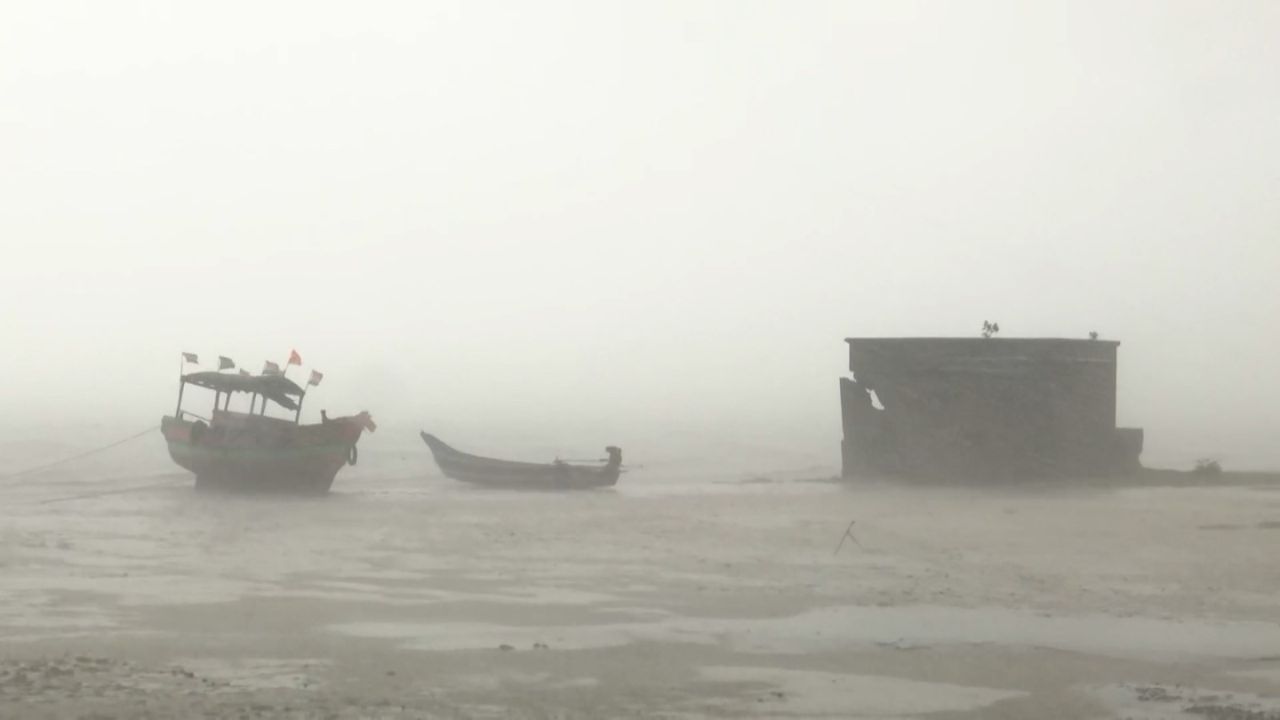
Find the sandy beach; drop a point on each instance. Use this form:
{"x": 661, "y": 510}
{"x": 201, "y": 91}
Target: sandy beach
{"x": 404, "y": 594}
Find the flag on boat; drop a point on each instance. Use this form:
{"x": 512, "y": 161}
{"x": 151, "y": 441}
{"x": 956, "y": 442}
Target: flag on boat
{"x": 294, "y": 358}
{"x": 245, "y": 373}
{"x": 270, "y": 368}
{"x": 316, "y": 377}
{"x": 190, "y": 358}
{"x": 225, "y": 363}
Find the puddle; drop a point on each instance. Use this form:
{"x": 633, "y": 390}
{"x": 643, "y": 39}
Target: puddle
{"x": 1269, "y": 675}
{"x": 1129, "y": 637}
{"x": 139, "y": 589}
{"x": 798, "y": 693}
{"x": 409, "y": 596}
{"x": 841, "y": 627}
{"x": 493, "y": 681}
{"x": 484, "y": 636}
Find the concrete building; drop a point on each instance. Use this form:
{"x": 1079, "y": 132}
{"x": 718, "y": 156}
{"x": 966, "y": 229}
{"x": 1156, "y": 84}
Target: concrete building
{"x": 983, "y": 407}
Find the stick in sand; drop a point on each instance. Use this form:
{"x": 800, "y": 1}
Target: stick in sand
{"x": 848, "y": 533}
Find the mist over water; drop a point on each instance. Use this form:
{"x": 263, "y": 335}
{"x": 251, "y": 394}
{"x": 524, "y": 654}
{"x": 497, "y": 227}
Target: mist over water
{"x": 640, "y": 219}
{"x": 535, "y": 230}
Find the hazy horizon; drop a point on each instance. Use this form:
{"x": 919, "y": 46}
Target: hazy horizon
{"x": 595, "y": 221}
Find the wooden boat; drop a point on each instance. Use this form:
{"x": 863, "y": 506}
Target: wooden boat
{"x": 251, "y": 452}
{"x": 556, "y": 475}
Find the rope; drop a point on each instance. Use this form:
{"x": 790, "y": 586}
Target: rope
{"x": 84, "y": 496}
{"x": 86, "y": 453}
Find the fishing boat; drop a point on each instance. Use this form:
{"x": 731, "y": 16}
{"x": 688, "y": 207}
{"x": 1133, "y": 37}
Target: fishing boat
{"x": 557, "y": 475}
{"x": 253, "y": 452}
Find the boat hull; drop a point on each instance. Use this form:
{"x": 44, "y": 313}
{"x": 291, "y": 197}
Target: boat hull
{"x": 510, "y": 475}
{"x": 246, "y": 453}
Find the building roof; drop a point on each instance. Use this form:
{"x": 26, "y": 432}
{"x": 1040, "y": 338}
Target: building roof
{"x": 907, "y": 355}
{"x": 959, "y": 341}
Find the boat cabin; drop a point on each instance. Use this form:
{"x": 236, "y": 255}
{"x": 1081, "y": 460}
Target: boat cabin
{"x": 263, "y": 389}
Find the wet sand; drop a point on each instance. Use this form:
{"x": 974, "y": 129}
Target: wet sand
{"x": 407, "y": 595}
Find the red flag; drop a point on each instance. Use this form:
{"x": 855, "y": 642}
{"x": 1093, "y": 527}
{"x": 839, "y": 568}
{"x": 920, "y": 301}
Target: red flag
{"x": 315, "y": 378}
{"x": 225, "y": 363}
{"x": 270, "y": 368}
{"x": 294, "y": 358}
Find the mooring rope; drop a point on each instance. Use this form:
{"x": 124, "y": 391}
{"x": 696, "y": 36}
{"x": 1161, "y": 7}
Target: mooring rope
{"x": 86, "y": 453}
{"x": 103, "y": 493}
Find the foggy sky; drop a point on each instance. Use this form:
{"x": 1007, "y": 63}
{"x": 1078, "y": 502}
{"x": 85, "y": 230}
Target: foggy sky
{"x": 602, "y": 219}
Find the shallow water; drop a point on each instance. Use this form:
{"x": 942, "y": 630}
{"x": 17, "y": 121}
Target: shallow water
{"x": 699, "y": 596}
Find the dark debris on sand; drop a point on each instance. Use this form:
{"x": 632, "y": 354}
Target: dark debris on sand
{"x": 90, "y": 688}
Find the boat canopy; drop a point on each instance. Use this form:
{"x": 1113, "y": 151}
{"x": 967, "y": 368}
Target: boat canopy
{"x": 276, "y": 388}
